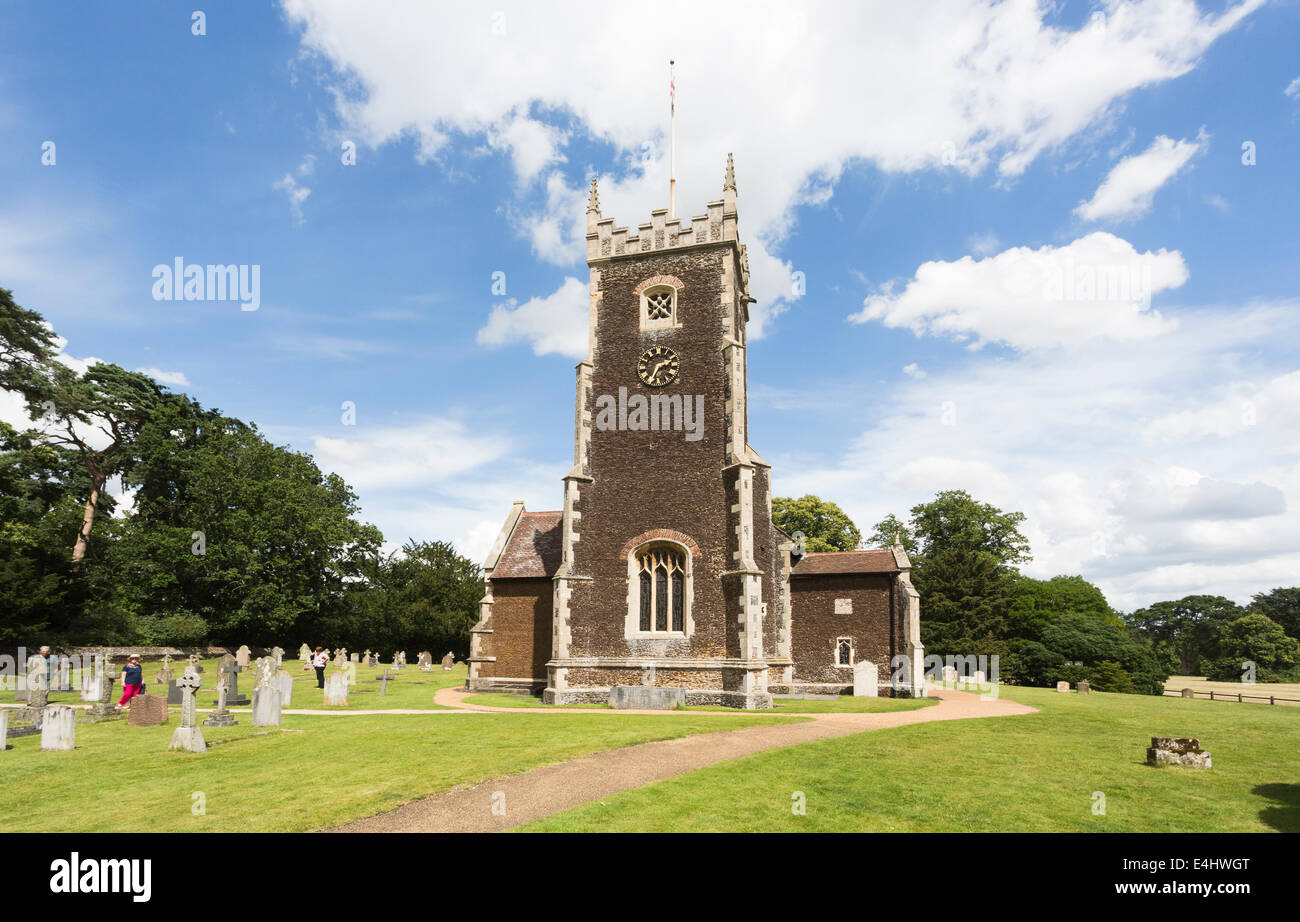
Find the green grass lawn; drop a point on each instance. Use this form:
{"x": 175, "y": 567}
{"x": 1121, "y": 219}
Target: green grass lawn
{"x": 845, "y": 704}
{"x": 411, "y": 689}
{"x": 318, "y": 771}
{"x": 1030, "y": 773}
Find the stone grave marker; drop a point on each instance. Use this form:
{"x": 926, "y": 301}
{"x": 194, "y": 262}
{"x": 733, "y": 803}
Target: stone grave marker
{"x": 336, "y": 690}
{"x": 448, "y": 661}
{"x": 266, "y": 695}
{"x": 59, "y": 729}
{"x": 221, "y": 717}
{"x": 426, "y": 661}
{"x": 950, "y": 673}
{"x": 62, "y": 669}
{"x": 365, "y": 658}
{"x": 979, "y": 677}
{"x": 195, "y": 664}
{"x": 165, "y": 674}
{"x": 147, "y": 711}
{"x": 4, "y": 729}
{"x": 304, "y": 653}
{"x": 38, "y": 682}
{"x": 1188, "y": 693}
{"x": 277, "y": 655}
{"x": 1178, "y": 750}
{"x": 243, "y": 656}
{"x": 103, "y": 706}
{"x": 90, "y": 685}
{"x": 1063, "y": 687}
{"x": 229, "y": 675}
{"x": 399, "y": 659}
{"x": 1084, "y": 687}
{"x": 189, "y": 736}
{"x": 284, "y": 682}
{"x": 354, "y": 657}
{"x": 866, "y": 680}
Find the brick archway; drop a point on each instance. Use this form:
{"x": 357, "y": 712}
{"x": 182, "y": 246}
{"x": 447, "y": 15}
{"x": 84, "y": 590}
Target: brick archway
{"x": 662, "y": 534}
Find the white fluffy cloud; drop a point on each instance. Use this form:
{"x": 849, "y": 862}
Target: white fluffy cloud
{"x": 1098, "y": 287}
{"x": 1271, "y": 409}
{"x": 1130, "y": 187}
{"x": 172, "y": 378}
{"x": 957, "y": 84}
{"x": 556, "y": 323}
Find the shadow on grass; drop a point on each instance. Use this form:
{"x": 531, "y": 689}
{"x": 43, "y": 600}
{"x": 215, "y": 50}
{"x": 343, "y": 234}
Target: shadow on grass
{"x": 1284, "y": 816}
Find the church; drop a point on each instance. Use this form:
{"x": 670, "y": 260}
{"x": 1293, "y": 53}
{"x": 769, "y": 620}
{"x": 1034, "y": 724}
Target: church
{"x": 664, "y": 566}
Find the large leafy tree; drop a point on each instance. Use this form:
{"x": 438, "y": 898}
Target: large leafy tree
{"x": 27, "y": 347}
{"x": 824, "y": 525}
{"x": 1036, "y": 603}
{"x": 1282, "y": 605}
{"x": 1255, "y": 638}
{"x": 1186, "y": 630}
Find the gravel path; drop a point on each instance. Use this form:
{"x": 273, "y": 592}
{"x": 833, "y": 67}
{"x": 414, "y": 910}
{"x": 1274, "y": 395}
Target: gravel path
{"x": 552, "y": 788}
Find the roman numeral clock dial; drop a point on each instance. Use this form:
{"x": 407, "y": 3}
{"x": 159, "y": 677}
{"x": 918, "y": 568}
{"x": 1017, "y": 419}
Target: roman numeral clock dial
{"x": 657, "y": 366}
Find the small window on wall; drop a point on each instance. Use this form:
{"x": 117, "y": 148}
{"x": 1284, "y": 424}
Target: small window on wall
{"x": 659, "y": 308}
{"x": 844, "y": 652}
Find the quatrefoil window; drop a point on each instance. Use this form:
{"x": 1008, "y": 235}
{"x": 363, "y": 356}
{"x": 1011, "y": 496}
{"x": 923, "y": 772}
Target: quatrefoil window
{"x": 659, "y": 308}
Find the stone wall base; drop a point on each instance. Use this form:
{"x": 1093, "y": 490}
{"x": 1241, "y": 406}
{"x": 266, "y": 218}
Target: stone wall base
{"x": 754, "y": 701}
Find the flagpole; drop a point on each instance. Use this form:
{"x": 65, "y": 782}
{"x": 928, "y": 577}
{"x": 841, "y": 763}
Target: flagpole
{"x": 672, "y": 142}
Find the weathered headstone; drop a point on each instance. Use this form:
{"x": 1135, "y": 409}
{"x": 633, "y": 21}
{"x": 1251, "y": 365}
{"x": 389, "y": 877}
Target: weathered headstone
{"x": 1177, "y": 750}
{"x": 866, "y": 680}
{"x": 243, "y": 656}
{"x": 147, "y": 711}
{"x": 266, "y": 695}
{"x": 103, "y": 706}
{"x": 336, "y": 690}
{"x": 165, "y": 674}
{"x": 304, "y": 653}
{"x": 90, "y": 682}
{"x": 277, "y": 655}
{"x": 174, "y": 694}
{"x": 221, "y": 717}
{"x": 195, "y": 664}
{"x": 4, "y": 729}
{"x": 284, "y": 682}
{"x": 59, "y": 729}
{"x": 1188, "y": 693}
{"x": 62, "y": 671}
{"x": 1063, "y": 687}
{"x": 229, "y": 674}
{"x": 950, "y": 673}
{"x": 979, "y": 677}
{"x": 426, "y": 661}
{"x": 354, "y": 657}
{"x": 38, "y": 682}
{"x": 399, "y": 659}
{"x": 1084, "y": 687}
{"x": 448, "y": 661}
{"x": 189, "y": 736}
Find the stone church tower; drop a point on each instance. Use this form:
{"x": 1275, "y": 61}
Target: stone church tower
{"x": 664, "y": 567}
{"x": 669, "y": 559}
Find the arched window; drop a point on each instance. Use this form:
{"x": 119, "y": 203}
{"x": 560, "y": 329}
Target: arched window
{"x": 661, "y": 589}
{"x": 844, "y": 652}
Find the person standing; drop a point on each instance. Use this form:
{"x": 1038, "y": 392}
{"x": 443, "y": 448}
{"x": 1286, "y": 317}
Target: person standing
{"x": 132, "y": 679}
{"x": 320, "y": 659}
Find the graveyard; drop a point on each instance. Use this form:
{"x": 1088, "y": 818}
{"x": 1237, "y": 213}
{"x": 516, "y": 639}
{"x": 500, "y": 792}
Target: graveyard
{"x": 1064, "y": 762}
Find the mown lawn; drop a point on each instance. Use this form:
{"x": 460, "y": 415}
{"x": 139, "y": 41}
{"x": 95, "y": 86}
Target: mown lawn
{"x": 1032, "y": 773}
{"x": 317, "y": 771}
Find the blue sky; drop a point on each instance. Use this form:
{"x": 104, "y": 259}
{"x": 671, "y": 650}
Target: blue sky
{"x": 910, "y": 181}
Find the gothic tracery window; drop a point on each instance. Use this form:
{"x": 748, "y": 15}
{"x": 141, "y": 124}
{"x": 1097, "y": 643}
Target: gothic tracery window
{"x": 844, "y": 652}
{"x": 661, "y": 578}
{"x": 659, "y": 307}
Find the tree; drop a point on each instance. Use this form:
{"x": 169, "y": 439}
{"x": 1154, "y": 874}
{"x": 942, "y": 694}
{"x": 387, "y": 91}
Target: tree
{"x": 27, "y": 347}
{"x": 1255, "y": 638}
{"x": 824, "y": 525}
{"x": 1281, "y": 605}
{"x": 1187, "y": 629}
{"x": 1036, "y": 603}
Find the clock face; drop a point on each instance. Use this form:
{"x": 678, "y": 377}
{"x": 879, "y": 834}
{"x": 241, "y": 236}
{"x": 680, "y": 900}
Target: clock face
{"x": 657, "y": 366}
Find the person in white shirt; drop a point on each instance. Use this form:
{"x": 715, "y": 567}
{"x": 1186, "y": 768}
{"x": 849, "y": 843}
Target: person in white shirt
{"x": 320, "y": 659}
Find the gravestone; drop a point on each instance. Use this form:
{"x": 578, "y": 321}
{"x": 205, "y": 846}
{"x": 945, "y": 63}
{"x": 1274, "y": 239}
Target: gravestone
{"x": 399, "y": 659}
{"x": 447, "y": 662}
{"x": 38, "y": 682}
{"x": 950, "y": 673}
{"x": 59, "y": 729}
{"x": 354, "y": 657}
{"x": 304, "y": 653}
{"x": 90, "y": 686}
{"x": 229, "y": 672}
{"x": 866, "y": 680}
{"x": 1188, "y": 693}
{"x": 1084, "y": 687}
{"x": 242, "y": 656}
{"x": 365, "y": 658}
{"x": 266, "y": 695}
{"x": 284, "y": 682}
{"x": 147, "y": 711}
{"x": 63, "y": 675}
{"x": 426, "y": 661}
{"x": 195, "y": 664}
{"x": 103, "y": 706}
{"x": 277, "y": 655}
{"x": 221, "y": 717}
{"x": 4, "y": 729}
{"x": 336, "y": 690}
{"x": 1063, "y": 687}
{"x": 165, "y": 674}
{"x": 174, "y": 694}
{"x": 1178, "y": 750}
{"x": 979, "y": 677}
{"x": 189, "y": 736}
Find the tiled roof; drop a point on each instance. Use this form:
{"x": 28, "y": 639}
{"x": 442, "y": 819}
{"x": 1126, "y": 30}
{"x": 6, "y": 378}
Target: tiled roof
{"x": 846, "y": 562}
{"x": 534, "y": 547}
